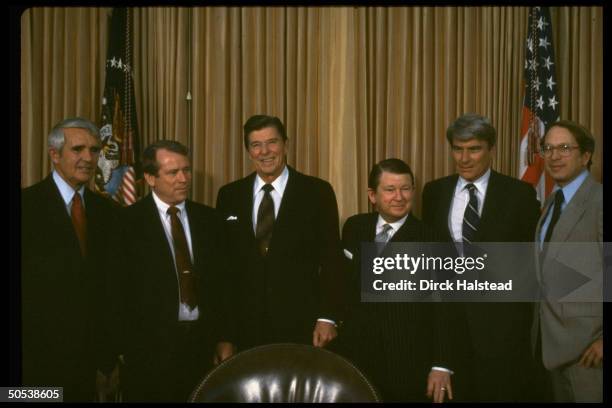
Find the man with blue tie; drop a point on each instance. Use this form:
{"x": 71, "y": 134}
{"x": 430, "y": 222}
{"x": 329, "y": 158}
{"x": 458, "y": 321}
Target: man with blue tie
{"x": 569, "y": 333}
{"x": 479, "y": 204}
{"x": 67, "y": 238}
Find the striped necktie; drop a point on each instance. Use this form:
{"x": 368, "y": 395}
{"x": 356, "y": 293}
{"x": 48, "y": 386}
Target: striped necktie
{"x": 265, "y": 220}
{"x": 471, "y": 219}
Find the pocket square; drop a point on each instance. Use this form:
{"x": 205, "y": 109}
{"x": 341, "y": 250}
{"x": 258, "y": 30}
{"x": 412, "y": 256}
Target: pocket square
{"x": 348, "y": 254}
{"x": 231, "y": 218}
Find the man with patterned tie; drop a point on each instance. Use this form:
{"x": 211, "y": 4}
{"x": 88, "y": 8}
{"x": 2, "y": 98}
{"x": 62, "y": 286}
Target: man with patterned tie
{"x": 568, "y": 333}
{"x": 402, "y": 346}
{"x": 479, "y": 204}
{"x": 67, "y": 252}
{"x": 174, "y": 256}
{"x": 284, "y": 229}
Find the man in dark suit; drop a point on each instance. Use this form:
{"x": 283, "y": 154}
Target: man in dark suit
{"x": 174, "y": 255}
{"x": 569, "y": 324}
{"x": 283, "y": 226}
{"x": 480, "y": 205}
{"x": 401, "y": 346}
{"x": 67, "y": 242}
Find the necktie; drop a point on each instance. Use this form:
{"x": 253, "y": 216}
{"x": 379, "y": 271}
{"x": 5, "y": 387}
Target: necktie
{"x": 383, "y": 236}
{"x": 79, "y": 221}
{"x": 265, "y": 220}
{"x": 559, "y": 198}
{"x": 471, "y": 219}
{"x": 184, "y": 267}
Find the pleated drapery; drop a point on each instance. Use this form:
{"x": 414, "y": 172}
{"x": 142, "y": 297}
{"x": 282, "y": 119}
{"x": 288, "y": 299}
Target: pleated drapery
{"x": 353, "y": 85}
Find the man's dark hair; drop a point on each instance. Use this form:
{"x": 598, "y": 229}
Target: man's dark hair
{"x": 583, "y": 137}
{"x": 471, "y": 126}
{"x": 149, "y": 155}
{"x": 395, "y": 166}
{"x": 258, "y": 122}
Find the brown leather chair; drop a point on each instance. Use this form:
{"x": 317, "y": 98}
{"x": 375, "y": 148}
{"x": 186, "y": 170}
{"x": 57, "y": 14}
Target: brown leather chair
{"x": 285, "y": 373}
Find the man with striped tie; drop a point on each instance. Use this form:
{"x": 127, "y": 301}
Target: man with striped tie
{"x": 479, "y": 204}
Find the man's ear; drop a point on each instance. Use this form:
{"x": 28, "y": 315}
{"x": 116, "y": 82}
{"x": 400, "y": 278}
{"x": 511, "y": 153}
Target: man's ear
{"x": 150, "y": 179}
{"x": 372, "y": 196}
{"x": 55, "y": 155}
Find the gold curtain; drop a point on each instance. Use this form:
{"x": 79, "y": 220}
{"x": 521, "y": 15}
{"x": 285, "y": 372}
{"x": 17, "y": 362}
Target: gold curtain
{"x": 353, "y": 85}
{"x": 62, "y": 74}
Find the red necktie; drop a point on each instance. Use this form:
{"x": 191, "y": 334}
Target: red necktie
{"x": 183, "y": 260}
{"x": 79, "y": 221}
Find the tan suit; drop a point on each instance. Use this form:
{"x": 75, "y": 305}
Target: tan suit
{"x": 570, "y": 320}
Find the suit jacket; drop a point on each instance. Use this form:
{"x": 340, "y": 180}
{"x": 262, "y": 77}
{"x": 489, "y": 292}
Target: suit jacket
{"x": 397, "y": 343}
{"x": 279, "y": 298}
{"x": 151, "y": 296}
{"x": 568, "y": 327}
{"x": 65, "y": 327}
{"x": 495, "y": 334}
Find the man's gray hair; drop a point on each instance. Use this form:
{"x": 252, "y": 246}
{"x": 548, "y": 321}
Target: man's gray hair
{"x": 472, "y": 126}
{"x": 56, "y": 138}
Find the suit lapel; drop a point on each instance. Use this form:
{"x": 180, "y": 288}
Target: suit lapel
{"x": 445, "y": 205}
{"x": 289, "y": 209}
{"x": 492, "y": 205}
{"x": 57, "y": 213}
{"x": 572, "y": 213}
{"x": 407, "y": 232}
{"x": 154, "y": 230}
{"x": 202, "y": 234}
{"x": 246, "y": 206}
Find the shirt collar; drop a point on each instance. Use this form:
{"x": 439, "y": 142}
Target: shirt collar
{"x": 570, "y": 188}
{"x": 162, "y": 207}
{"x": 279, "y": 183}
{"x": 395, "y": 225}
{"x": 481, "y": 182}
{"x": 66, "y": 189}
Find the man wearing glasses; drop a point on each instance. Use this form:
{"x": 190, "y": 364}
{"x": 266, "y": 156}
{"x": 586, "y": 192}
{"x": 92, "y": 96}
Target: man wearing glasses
{"x": 568, "y": 328}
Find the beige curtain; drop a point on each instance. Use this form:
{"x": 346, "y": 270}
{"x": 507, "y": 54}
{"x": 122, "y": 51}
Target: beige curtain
{"x": 62, "y": 74}
{"x": 353, "y": 85}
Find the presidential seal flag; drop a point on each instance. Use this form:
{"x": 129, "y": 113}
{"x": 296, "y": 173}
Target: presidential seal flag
{"x": 119, "y": 174}
{"x": 540, "y": 101}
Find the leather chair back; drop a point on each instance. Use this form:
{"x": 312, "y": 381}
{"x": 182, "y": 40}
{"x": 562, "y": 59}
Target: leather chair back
{"x": 285, "y": 373}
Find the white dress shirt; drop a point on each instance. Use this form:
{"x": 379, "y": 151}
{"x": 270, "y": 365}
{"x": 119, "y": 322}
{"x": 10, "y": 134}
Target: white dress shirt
{"x": 394, "y": 225}
{"x": 461, "y": 198}
{"x": 279, "y": 185}
{"x": 184, "y": 313}
{"x": 67, "y": 192}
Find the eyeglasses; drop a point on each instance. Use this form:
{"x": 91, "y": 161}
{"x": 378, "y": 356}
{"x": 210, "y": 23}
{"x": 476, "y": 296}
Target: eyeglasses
{"x": 563, "y": 149}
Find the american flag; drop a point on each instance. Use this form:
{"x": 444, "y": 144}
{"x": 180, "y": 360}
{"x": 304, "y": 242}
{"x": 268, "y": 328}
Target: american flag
{"x": 540, "y": 103}
{"x": 118, "y": 167}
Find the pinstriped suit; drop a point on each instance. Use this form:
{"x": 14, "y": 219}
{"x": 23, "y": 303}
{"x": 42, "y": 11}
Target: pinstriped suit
{"x": 396, "y": 344}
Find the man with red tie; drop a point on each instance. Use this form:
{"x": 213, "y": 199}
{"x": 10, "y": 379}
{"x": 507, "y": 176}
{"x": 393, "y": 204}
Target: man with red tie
{"x": 66, "y": 245}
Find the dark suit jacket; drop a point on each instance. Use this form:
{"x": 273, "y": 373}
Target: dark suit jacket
{"x": 497, "y": 338}
{"x": 396, "y": 344}
{"x": 151, "y": 298}
{"x": 279, "y": 298}
{"x": 64, "y": 296}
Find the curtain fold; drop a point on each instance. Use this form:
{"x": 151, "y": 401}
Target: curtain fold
{"x": 353, "y": 85}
